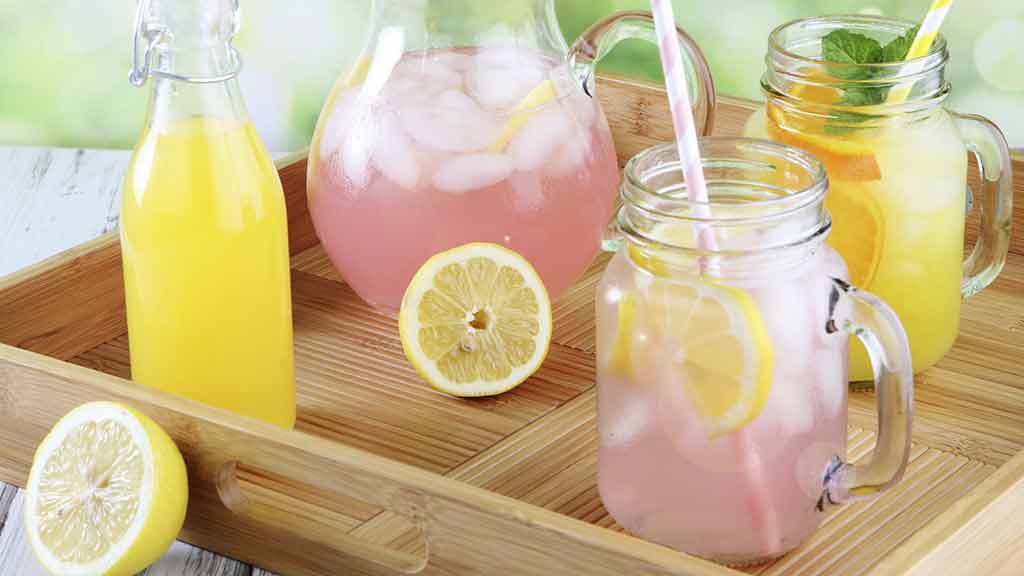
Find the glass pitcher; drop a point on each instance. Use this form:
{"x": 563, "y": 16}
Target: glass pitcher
{"x": 722, "y": 376}
{"x": 897, "y": 171}
{"x": 467, "y": 121}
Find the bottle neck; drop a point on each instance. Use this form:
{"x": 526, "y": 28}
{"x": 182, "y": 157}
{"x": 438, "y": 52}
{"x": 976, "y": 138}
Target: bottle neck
{"x": 173, "y": 101}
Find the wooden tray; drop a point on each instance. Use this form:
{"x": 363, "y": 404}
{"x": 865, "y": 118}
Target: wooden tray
{"x": 383, "y": 475}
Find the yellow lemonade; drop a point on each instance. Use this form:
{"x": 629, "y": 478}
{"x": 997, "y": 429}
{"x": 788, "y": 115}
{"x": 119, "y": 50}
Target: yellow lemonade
{"x": 205, "y": 247}
{"x": 897, "y": 200}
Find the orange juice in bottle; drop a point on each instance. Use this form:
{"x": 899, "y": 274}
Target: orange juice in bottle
{"x": 203, "y": 226}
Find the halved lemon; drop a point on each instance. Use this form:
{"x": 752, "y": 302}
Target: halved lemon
{"x": 523, "y": 112}
{"x": 721, "y": 348}
{"x": 476, "y": 320}
{"x": 107, "y": 493}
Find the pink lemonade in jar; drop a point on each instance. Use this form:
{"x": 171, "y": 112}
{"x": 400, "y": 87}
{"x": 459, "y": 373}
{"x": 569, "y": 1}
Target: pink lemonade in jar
{"x": 750, "y": 494}
{"x": 722, "y": 372}
{"x": 490, "y": 144}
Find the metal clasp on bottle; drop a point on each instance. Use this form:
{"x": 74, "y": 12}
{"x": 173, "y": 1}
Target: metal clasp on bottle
{"x": 149, "y": 33}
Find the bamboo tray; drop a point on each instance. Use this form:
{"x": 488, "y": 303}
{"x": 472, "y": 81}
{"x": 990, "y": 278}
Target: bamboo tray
{"x": 384, "y": 476}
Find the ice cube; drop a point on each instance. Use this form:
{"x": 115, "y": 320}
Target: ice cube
{"x": 457, "y": 100}
{"x": 791, "y": 400}
{"x": 449, "y": 129}
{"x": 632, "y": 416}
{"x": 527, "y": 191}
{"x": 829, "y": 380}
{"x": 429, "y": 73}
{"x": 332, "y": 136}
{"x": 461, "y": 174}
{"x": 358, "y": 149}
{"x": 395, "y": 155}
{"x": 572, "y": 156}
{"x": 786, "y": 309}
{"x": 539, "y": 139}
{"x": 502, "y": 86}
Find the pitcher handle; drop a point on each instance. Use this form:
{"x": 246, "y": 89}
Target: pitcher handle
{"x": 867, "y": 317}
{"x": 598, "y": 40}
{"x": 995, "y": 197}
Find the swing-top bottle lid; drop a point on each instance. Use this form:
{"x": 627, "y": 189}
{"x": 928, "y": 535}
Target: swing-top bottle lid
{"x": 186, "y": 40}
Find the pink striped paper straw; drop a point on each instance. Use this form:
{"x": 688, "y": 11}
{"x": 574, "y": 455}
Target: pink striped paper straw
{"x": 682, "y": 117}
{"x": 764, "y": 517}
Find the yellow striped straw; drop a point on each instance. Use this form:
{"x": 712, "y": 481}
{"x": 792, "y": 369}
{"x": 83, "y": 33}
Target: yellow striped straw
{"x": 922, "y": 43}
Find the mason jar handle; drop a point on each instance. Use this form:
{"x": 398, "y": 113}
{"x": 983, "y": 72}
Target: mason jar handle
{"x": 995, "y": 198}
{"x": 601, "y": 38}
{"x": 867, "y": 317}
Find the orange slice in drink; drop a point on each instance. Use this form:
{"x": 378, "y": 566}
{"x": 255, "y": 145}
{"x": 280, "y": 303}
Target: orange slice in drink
{"x": 846, "y": 157}
{"x": 858, "y": 231}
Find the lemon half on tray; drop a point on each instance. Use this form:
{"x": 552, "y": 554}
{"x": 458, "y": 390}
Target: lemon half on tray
{"x": 107, "y": 493}
{"x": 476, "y": 320}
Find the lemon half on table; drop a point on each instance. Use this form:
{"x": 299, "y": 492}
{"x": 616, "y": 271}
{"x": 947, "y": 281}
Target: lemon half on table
{"x": 107, "y": 493}
{"x": 476, "y": 320}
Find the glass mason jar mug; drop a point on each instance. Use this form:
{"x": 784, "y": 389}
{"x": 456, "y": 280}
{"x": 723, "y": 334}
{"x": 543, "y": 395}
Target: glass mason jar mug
{"x": 471, "y": 122}
{"x": 722, "y": 374}
{"x": 897, "y": 171}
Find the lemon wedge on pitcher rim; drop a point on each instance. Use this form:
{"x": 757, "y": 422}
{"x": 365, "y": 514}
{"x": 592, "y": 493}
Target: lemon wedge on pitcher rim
{"x": 720, "y": 348}
{"x": 476, "y": 320}
{"x": 107, "y": 493}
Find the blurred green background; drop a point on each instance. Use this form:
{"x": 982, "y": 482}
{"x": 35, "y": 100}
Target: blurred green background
{"x": 65, "y": 62}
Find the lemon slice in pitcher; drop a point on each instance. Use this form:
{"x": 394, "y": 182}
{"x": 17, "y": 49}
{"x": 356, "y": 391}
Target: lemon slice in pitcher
{"x": 721, "y": 348}
{"x": 523, "y": 112}
{"x": 476, "y": 320}
{"x": 107, "y": 493}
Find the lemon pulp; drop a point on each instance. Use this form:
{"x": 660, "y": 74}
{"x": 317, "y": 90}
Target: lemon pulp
{"x": 107, "y": 493}
{"x": 476, "y": 320}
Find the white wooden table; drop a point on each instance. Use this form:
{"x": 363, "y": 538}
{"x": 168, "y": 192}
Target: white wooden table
{"x": 51, "y": 200}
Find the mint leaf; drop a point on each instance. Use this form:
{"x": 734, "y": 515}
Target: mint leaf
{"x": 851, "y": 49}
{"x": 843, "y": 46}
{"x": 897, "y": 50}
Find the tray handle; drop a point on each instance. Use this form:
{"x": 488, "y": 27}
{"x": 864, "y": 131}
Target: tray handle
{"x": 468, "y": 530}
{"x": 461, "y": 538}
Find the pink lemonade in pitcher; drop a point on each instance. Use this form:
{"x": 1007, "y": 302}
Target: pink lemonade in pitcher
{"x": 450, "y": 146}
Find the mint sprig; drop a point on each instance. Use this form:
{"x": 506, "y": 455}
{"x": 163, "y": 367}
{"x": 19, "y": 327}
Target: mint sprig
{"x": 849, "y": 49}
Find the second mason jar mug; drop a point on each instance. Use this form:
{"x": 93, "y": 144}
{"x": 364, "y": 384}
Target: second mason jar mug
{"x": 897, "y": 168}
{"x": 722, "y": 372}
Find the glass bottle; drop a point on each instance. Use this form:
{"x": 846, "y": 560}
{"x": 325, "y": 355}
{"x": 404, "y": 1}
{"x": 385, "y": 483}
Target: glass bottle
{"x": 203, "y": 225}
{"x": 722, "y": 375}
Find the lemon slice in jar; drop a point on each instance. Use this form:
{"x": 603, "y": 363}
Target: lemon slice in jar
{"x": 720, "y": 347}
{"x": 620, "y": 362}
{"x": 523, "y": 112}
{"x": 106, "y": 494}
{"x": 476, "y": 320}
